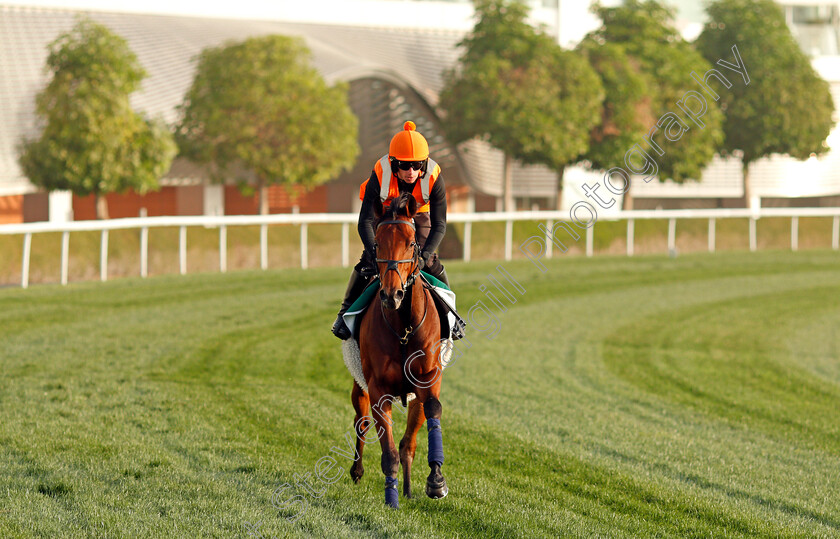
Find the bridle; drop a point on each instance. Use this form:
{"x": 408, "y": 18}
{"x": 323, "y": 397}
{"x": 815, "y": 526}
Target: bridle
{"x": 392, "y": 265}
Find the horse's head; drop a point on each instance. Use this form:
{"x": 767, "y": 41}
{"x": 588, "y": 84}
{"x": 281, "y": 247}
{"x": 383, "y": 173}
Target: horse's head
{"x": 397, "y": 252}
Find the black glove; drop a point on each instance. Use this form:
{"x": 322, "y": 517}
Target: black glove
{"x": 423, "y": 261}
{"x": 368, "y": 266}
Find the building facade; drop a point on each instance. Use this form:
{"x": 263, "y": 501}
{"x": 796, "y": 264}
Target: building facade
{"x": 393, "y": 55}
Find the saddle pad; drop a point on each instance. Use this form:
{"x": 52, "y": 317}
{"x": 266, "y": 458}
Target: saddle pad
{"x": 359, "y": 306}
{"x": 353, "y": 361}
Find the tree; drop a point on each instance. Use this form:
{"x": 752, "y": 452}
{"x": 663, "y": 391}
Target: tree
{"x": 92, "y": 141}
{"x": 518, "y": 90}
{"x": 259, "y": 105}
{"x": 626, "y": 114}
{"x": 644, "y": 31}
{"x": 786, "y": 108}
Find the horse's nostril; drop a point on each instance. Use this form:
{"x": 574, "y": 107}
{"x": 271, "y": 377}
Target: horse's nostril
{"x": 398, "y": 295}
{"x": 382, "y": 295}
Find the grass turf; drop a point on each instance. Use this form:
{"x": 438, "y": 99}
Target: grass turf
{"x": 638, "y": 397}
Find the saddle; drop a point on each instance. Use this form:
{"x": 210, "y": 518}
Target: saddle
{"x": 452, "y": 326}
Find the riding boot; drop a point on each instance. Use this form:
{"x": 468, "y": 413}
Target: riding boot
{"x": 458, "y": 326}
{"x": 444, "y": 278}
{"x": 355, "y": 288}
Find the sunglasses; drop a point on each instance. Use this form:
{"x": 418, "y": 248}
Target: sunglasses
{"x": 406, "y": 165}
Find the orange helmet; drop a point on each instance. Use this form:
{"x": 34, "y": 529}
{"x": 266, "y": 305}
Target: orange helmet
{"x": 409, "y": 145}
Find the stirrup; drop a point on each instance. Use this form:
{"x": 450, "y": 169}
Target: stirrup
{"x": 458, "y": 330}
{"x": 340, "y": 329}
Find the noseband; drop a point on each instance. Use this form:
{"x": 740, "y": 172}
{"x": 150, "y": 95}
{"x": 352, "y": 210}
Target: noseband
{"x": 392, "y": 264}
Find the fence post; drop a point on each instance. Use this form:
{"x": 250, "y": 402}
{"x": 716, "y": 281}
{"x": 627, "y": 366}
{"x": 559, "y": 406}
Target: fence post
{"x": 549, "y": 245}
{"x": 835, "y": 233}
{"x": 752, "y": 234}
{"x": 467, "y": 241}
{"x": 103, "y": 256}
{"x": 182, "y": 250}
{"x": 345, "y": 245}
{"x": 144, "y": 246}
{"x": 631, "y": 236}
{"x": 144, "y": 252}
{"x": 304, "y": 245}
{"x": 468, "y": 227}
{"x": 508, "y": 239}
{"x": 672, "y": 234}
{"x": 794, "y": 233}
{"x": 590, "y": 233}
{"x": 223, "y": 248}
{"x": 27, "y": 249}
{"x": 65, "y": 256}
{"x": 264, "y": 246}
{"x": 711, "y": 234}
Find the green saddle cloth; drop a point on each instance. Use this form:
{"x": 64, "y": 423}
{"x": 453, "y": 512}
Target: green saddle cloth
{"x": 367, "y": 296}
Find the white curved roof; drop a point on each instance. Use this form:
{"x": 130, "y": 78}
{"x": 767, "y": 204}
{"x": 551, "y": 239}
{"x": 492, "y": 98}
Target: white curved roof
{"x": 412, "y": 61}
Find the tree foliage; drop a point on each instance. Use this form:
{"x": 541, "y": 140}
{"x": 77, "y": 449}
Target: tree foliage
{"x": 643, "y": 30}
{"x": 786, "y": 108}
{"x": 260, "y": 106}
{"x": 92, "y": 141}
{"x": 626, "y": 114}
{"x": 518, "y": 90}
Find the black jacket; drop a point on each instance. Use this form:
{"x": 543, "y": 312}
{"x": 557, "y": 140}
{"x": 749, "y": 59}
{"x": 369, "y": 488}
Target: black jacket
{"x": 430, "y": 226}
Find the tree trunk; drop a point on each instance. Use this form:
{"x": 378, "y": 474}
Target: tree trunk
{"x": 558, "y": 196}
{"x": 745, "y": 169}
{"x": 627, "y": 201}
{"x": 507, "y": 184}
{"x": 101, "y": 206}
{"x": 263, "y": 190}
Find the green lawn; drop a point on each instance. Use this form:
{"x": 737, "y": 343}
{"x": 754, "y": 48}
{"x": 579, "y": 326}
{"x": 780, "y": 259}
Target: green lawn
{"x": 621, "y": 397}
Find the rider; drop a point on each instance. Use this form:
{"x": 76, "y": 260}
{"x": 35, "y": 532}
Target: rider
{"x": 406, "y": 163}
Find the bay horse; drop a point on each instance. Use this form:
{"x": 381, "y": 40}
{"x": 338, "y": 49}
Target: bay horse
{"x": 399, "y": 344}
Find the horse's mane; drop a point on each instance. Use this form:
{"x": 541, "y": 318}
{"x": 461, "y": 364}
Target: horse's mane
{"x": 398, "y": 207}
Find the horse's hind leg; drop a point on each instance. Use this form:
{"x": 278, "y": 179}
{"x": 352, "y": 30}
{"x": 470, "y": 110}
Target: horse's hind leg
{"x": 361, "y": 424}
{"x": 408, "y": 444}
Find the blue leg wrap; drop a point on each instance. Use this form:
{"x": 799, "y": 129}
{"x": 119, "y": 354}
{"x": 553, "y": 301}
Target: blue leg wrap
{"x": 392, "y": 497}
{"x": 435, "y": 441}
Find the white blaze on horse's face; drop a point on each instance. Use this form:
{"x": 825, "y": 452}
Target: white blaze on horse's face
{"x": 396, "y": 256}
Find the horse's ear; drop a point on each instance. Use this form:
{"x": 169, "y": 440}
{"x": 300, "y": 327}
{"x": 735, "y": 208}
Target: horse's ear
{"x": 378, "y": 209}
{"x": 411, "y": 206}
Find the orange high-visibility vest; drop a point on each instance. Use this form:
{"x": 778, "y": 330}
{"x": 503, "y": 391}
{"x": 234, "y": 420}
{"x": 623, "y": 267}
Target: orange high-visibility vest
{"x": 389, "y": 191}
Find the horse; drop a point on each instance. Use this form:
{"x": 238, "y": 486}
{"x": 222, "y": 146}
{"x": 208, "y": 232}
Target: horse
{"x": 399, "y": 344}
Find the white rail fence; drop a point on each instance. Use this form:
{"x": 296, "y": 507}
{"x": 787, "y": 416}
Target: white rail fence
{"x": 548, "y": 218}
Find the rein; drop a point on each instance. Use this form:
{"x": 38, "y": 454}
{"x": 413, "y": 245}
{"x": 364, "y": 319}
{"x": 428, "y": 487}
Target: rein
{"x": 409, "y": 331}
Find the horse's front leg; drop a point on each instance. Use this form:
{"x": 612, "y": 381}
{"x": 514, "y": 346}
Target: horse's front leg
{"x": 432, "y": 409}
{"x": 408, "y": 444}
{"x": 361, "y": 424}
{"x": 390, "y": 455}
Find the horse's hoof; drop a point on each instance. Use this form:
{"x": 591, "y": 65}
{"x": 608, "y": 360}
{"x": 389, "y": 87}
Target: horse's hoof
{"x": 437, "y": 489}
{"x": 356, "y": 475}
